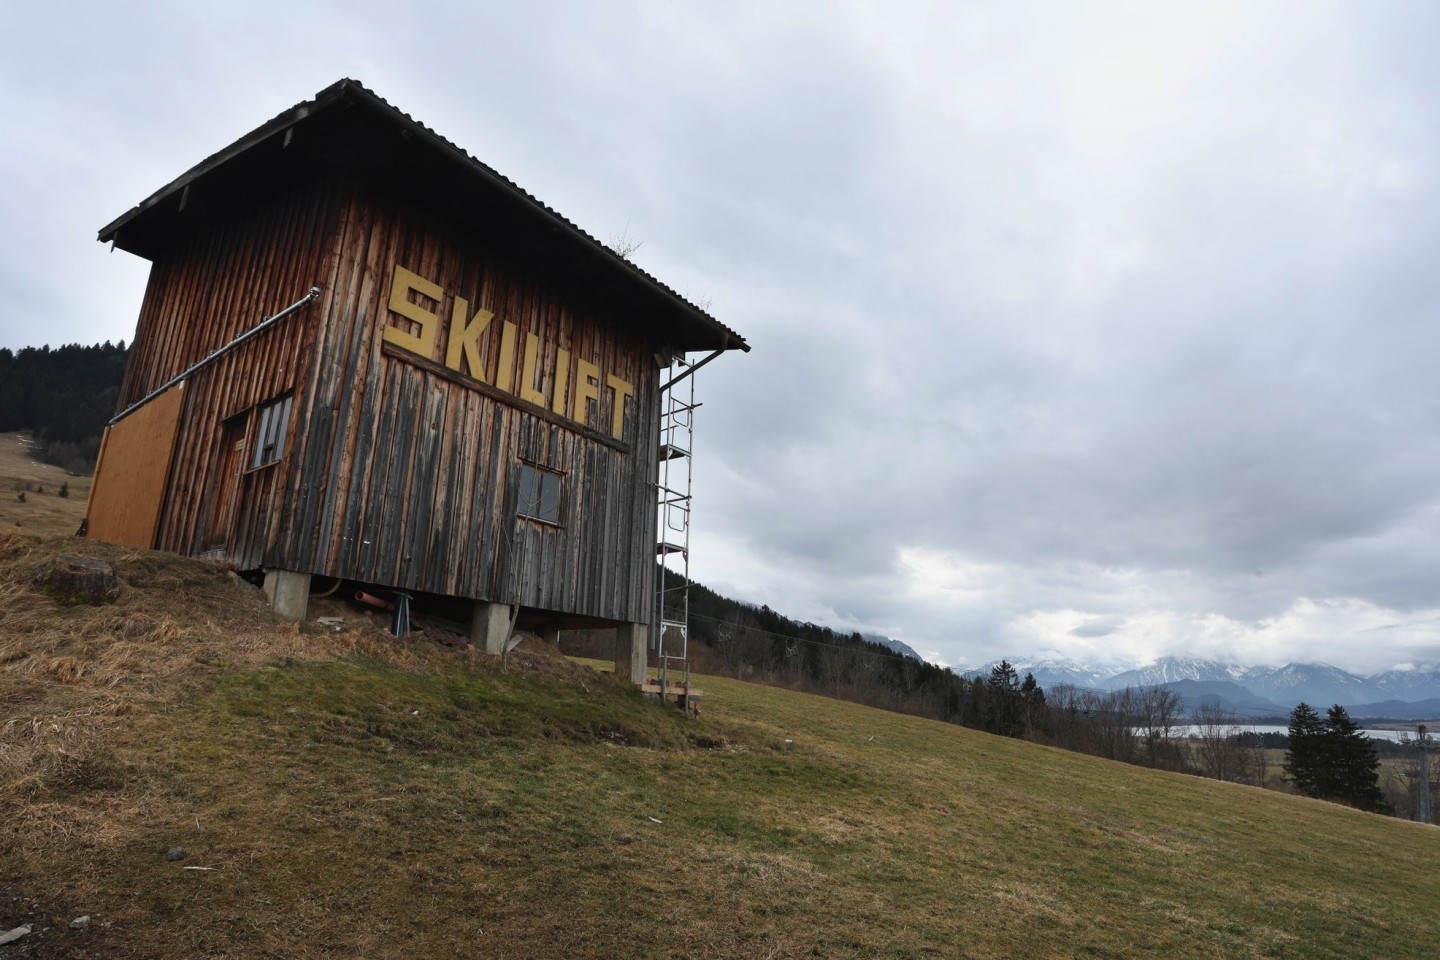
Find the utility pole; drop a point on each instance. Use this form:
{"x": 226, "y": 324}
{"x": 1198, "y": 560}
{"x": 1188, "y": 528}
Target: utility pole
{"x": 1423, "y": 813}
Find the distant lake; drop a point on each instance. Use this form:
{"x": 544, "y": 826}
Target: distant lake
{"x": 1193, "y": 730}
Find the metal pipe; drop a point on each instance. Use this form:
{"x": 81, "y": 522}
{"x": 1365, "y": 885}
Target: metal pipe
{"x": 370, "y": 600}
{"x": 400, "y": 625}
{"x": 694, "y": 367}
{"x": 214, "y": 355}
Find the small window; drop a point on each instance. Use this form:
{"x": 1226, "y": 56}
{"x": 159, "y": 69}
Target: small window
{"x": 539, "y": 495}
{"x": 273, "y": 419}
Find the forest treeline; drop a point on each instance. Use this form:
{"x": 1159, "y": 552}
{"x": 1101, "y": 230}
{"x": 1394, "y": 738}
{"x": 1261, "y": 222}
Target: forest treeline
{"x": 1146, "y": 726}
{"x": 64, "y": 396}
{"x": 759, "y": 644}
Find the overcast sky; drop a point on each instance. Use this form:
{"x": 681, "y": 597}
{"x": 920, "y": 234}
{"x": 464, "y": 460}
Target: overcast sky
{"x": 1103, "y": 334}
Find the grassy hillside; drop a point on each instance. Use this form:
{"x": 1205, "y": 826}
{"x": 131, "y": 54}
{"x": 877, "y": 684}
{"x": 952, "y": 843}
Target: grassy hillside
{"x": 43, "y": 510}
{"x": 350, "y": 796}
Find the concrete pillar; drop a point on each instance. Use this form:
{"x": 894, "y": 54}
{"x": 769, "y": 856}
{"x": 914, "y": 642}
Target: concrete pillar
{"x": 288, "y": 593}
{"x": 630, "y": 652}
{"x": 490, "y": 626}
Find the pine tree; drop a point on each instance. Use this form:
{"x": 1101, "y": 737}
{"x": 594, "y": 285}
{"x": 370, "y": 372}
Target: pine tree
{"x": 1004, "y": 695}
{"x": 1032, "y": 699}
{"x": 1332, "y": 760}
{"x": 1352, "y": 769}
{"x": 1305, "y": 760}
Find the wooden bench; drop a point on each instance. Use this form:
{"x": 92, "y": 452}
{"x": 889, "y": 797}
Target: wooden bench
{"x": 676, "y": 690}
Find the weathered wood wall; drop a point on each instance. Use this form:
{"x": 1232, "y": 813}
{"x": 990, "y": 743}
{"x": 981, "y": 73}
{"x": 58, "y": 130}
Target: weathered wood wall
{"x": 408, "y": 473}
{"x": 398, "y": 471}
{"x": 204, "y": 291}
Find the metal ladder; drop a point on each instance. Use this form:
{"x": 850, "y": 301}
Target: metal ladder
{"x": 671, "y": 644}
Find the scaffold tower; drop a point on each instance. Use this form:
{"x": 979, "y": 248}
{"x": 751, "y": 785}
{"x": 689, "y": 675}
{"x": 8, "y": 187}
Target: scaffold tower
{"x": 671, "y": 641}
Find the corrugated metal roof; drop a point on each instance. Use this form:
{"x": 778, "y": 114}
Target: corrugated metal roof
{"x": 356, "y": 92}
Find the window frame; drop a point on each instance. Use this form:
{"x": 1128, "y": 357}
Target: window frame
{"x": 270, "y": 418}
{"x": 529, "y": 489}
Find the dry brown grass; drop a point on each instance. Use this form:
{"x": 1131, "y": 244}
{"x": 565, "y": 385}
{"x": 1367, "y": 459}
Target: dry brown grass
{"x": 69, "y": 676}
{"x": 351, "y": 796}
{"x": 45, "y": 513}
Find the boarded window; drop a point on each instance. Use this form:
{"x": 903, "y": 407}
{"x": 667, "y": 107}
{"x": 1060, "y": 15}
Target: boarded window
{"x": 272, "y": 421}
{"x": 539, "y": 494}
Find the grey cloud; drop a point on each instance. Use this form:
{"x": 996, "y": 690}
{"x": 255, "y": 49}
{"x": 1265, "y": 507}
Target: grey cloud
{"x": 1115, "y": 306}
{"x": 1097, "y": 628}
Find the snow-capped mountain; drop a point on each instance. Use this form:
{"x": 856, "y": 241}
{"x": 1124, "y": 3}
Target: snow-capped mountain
{"x": 1174, "y": 669}
{"x": 1317, "y": 684}
{"x": 1314, "y": 683}
{"x": 1411, "y": 681}
{"x": 1050, "y": 672}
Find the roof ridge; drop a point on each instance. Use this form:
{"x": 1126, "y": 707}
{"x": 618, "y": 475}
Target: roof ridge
{"x": 355, "y": 90}
{"x": 527, "y": 195}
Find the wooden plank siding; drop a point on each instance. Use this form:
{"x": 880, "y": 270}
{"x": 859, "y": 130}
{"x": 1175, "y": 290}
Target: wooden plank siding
{"x": 401, "y": 467}
{"x": 397, "y": 471}
{"x": 408, "y": 476}
{"x": 207, "y": 289}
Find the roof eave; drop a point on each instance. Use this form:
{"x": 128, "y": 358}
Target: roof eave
{"x": 358, "y": 93}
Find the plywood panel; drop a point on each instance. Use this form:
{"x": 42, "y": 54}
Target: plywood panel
{"x": 207, "y": 288}
{"x": 130, "y": 480}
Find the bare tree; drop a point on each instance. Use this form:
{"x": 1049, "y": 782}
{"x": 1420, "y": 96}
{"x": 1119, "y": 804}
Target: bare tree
{"x": 1160, "y": 708}
{"x": 727, "y": 638}
{"x": 1113, "y": 718}
{"x": 623, "y": 245}
{"x": 1258, "y": 764}
{"x": 1221, "y": 755}
{"x": 1066, "y": 716}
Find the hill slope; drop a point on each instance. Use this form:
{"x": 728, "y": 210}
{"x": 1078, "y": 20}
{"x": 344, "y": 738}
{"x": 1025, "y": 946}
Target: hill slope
{"x": 43, "y": 511}
{"x": 351, "y": 796}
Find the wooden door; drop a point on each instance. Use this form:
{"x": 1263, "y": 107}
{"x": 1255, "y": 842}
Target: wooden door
{"x": 225, "y": 484}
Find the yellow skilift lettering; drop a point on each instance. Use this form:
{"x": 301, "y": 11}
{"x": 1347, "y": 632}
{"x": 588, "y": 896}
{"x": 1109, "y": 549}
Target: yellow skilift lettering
{"x": 528, "y": 392}
{"x": 623, "y": 391}
{"x": 562, "y": 380}
{"x": 587, "y": 388}
{"x": 505, "y": 372}
{"x": 401, "y": 283}
{"x": 464, "y": 339}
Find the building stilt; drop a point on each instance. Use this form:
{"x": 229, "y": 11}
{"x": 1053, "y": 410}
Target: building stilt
{"x": 288, "y": 593}
{"x": 630, "y": 652}
{"x": 490, "y": 626}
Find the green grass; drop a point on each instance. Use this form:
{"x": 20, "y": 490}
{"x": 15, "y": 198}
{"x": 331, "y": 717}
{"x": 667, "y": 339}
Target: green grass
{"x": 361, "y": 807}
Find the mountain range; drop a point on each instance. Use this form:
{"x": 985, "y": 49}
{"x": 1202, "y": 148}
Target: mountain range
{"x": 1408, "y": 692}
{"x": 904, "y": 649}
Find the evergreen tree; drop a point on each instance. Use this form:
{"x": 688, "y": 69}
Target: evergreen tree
{"x": 1032, "y": 700}
{"x": 1004, "y": 677}
{"x": 64, "y": 395}
{"x": 1006, "y": 707}
{"x": 1352, "y": 769}
{"x": 1305, "y": 760}
{"x": 1332, "y": 760}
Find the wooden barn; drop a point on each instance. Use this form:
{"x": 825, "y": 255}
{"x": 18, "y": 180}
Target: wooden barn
{"x": 454, "y": 393}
